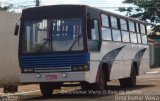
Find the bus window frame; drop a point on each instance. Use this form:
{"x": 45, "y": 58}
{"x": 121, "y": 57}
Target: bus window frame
{"x": 100, "y": 37}
{"x": 116, "y": 21}
{"x": 132, "y": 31}
{"x": 109, "y": 27}
{"x": 102, "y": 20}
{"x": 118, "y": 27}
{"x": 122, "y": 30}
{"x": 138, "y": 31}
{"x": 128, "y": 37}
{"x": 121, "y": 23}
{"x": 137, "y": 26}
{"x": 140, "y": 38}
{"x": 120, "y": 35}
{"x": 145, "y": 29}
{"x": 133, "y": 25}
{"x": 146, "y": 39}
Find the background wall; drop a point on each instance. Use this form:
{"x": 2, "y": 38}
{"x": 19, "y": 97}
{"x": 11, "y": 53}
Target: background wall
{"x": 9, "y": 67}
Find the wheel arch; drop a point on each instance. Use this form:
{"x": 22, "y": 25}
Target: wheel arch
{"x": 105, "y": 69}
{"x": 135, "y": 66}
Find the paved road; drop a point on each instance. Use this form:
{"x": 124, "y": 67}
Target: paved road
{"x": 147, "y": 89}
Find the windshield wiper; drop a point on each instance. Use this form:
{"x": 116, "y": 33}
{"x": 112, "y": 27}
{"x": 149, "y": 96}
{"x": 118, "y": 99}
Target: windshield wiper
{"x": 74, "y": 42}
{"x": 47, "y": 40}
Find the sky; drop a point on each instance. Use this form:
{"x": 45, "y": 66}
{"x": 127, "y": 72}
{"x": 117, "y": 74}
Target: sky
{"x": 109, "y": 5}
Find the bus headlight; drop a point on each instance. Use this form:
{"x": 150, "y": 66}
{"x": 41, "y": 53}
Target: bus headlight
{"x": 28, "y": 70}
{"x": 75, "y": 68}
{"x": 80, "y": 68}
{"x": 86, "y": 67}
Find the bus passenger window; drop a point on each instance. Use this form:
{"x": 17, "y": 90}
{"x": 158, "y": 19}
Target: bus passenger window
{"x": 139, "y": 38}
{"x": 131, "y": 26}
{"x": 133, "y": 37}
{"x": 142, "y": 27}
{"x": 137, "y": 27}
{"x": 144, "y": 38}
{"x": 105, "y": 20}
{"x": 106, "y": 33}
{"x": 116, "y": 35}
{"x": 123, "y": 24}
{"x": 125, "y": 36}
{"x": 114, "y": 22}
{"x": 93, "y": 43}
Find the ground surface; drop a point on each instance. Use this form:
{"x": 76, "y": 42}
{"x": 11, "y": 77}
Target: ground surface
{"x": 147, "y": 89}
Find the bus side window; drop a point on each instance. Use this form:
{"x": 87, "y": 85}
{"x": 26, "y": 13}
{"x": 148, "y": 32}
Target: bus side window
{"x": 143, "y": 34}
{"x": 95, "y": 31}
{"x": 94, "y": 43}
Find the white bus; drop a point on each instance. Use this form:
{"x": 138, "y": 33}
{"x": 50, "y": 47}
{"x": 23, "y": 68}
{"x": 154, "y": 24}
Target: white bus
{"x": 78, "y": 43}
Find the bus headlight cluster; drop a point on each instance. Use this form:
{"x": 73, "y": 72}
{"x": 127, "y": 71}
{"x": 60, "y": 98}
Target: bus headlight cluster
{"x": 28, "y": 70}
{"x": 80, "y": 68}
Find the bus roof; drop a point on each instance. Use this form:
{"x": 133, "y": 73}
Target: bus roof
{"x": 94, "y": 8}
{"x": 118, "y": 15}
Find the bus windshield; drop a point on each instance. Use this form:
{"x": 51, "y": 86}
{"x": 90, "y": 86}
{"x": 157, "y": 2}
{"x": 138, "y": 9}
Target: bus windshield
{"x": 49, "y": 35}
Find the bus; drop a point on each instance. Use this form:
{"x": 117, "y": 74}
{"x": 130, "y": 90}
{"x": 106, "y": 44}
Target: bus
{"x": 78, "y": 43}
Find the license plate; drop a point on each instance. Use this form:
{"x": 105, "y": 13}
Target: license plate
{"x": 51, "y": 77}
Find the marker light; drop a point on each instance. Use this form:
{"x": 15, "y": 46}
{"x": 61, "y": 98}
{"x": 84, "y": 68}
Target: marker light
{"x": 64, "y": 75}
{"x": 38, "y": 75}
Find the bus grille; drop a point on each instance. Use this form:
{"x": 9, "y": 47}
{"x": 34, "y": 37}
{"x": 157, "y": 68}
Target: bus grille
{"x": 53, "y": 62}
{"x": 52, "y": 69}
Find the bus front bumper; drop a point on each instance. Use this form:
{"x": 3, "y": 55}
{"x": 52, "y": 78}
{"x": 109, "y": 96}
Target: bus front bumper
{"x": 52, "y": 77}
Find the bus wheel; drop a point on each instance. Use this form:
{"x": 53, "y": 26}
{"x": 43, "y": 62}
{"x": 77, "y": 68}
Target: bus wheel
{"x": 46, "y": 89}
{"x": 129, "y": 82}
{"x": 101, "y": 82}
{"x": 85, "y": 86}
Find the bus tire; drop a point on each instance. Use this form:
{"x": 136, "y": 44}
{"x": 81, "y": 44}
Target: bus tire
{"x": 101, "y": 83}
{"x": 130, "y": 81}
{"x": 46, "y": 89}
{"x": 85, "y": 86}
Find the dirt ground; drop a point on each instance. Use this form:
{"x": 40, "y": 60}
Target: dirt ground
{"x": 147, "y": 89}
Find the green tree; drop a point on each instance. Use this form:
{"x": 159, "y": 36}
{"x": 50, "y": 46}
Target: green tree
{"x": 6, "y": 7}
{"x": 146, "y": 10}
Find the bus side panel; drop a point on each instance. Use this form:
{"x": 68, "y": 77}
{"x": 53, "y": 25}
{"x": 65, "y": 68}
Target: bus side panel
{"x": 126, "y": 57}
{"x": 96, "y": 58}
{"x": 90, "y": 76}
{"x": 121, "y": 56}
{"x": 144, "y": 64}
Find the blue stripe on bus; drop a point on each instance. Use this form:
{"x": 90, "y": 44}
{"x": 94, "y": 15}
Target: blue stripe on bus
{"x": 54, "y": 60}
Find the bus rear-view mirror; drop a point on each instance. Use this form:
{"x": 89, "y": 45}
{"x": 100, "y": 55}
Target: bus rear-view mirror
{"x": 16, "y": 30}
